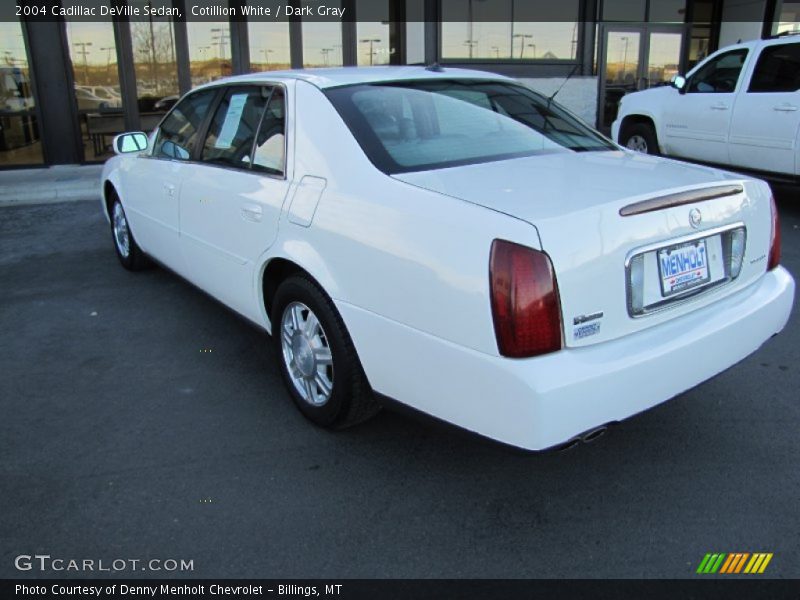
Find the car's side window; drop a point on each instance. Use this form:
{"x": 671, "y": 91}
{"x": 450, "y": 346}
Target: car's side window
{"x": 719, "y": 75}
{"x": 178, "y": 132}
{"x": 233, "y": 129}
{"x": 777, "y": 70}
{"x": 270, "y": 149}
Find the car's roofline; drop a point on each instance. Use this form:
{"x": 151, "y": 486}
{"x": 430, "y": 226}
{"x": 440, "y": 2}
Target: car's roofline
{"x": 325, "y": 78}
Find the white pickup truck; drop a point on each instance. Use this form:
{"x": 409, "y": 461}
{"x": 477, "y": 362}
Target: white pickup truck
{"x": 740, "y": 107}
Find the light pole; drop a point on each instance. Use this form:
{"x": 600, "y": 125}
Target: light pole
{"x": 325, "y": 52}
{"x": 266, "y": 52}
{"x": 523, "y": 37}
{"x": 83, "y": 51}
{"x": 370, "y": 41}
{"x": 496, "y": 51}
{"x": 471, "y": 45}
{"x": 534, "y": 49}
{"x": 624, "y": 58}
{"x": 108, "y": 50}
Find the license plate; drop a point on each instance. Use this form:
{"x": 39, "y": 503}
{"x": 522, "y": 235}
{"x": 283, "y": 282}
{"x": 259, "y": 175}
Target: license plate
{"x": 683, "y": 267}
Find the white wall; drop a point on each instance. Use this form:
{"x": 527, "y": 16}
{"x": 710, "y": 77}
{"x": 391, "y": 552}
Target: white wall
{"x": 741, "y": 20}
{"x": 579, "y": 94}
{"x": 415, "y": 42}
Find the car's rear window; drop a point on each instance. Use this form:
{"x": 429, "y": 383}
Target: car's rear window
{"x": 419, "y": 125}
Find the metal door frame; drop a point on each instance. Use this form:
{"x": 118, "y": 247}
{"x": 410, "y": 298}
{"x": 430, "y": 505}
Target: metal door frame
{"x": 644, "y": 30}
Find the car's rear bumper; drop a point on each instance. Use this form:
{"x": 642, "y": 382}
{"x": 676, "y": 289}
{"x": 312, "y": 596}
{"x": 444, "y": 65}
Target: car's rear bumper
{"x": 545, "y": 401}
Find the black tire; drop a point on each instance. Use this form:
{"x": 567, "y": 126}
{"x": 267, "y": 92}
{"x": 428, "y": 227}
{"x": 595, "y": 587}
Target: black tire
{"x": 134, "y": 259}
{"x": 643, "y": 133}
{"x": 350, "y": 400}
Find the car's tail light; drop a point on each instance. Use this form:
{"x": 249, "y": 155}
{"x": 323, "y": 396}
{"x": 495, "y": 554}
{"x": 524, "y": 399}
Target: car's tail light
{"x": 525, "y": 305}
{"x": 774, "y": 238}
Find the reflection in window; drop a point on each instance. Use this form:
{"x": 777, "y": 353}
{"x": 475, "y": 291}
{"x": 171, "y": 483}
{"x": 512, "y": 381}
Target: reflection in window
{"x": 209, "y": 49}
{"x": 269, "y": 45}
{"x": 374, "y": 37}
{"x": 787, "y": 17}
{"x": 19, "y": 133}
{"x": 507, "y": 30}
{"x": 700, "y": 40}
{"x": 270, "y": 148}
{"x": 322, "y": 42}
{"x": 94, "y": 66}
{"x": 178, "y": 133}
{"x": 155, "y": 66}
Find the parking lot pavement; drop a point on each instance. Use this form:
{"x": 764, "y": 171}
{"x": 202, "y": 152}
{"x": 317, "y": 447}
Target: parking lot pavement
{"x": 142, "y": 420}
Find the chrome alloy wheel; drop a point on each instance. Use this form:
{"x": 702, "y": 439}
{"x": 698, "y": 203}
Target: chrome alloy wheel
{"x": 637, "y": 143}
{"x": 122, "y": 236}
{"x": 306, "y": 354}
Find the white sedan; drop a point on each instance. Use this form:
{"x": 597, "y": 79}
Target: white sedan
{"x": 453, "y": 241}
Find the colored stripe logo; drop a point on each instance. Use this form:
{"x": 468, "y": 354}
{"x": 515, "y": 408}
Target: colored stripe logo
{"x": 735, "y": 562}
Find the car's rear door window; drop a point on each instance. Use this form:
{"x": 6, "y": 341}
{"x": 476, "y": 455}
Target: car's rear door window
{"x": 233, "y": 128}
{"x": 247, "y": 130}
{"x": 777, "y": 69}
{"x": 269, "y": 153}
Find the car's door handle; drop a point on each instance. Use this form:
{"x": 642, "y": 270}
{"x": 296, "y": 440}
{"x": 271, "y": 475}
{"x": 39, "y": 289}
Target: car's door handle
{"x": 169, "y": 189}
{"x": 785, "y": 107}
{"x": 719, "y": 106}
{"x": 252, "y": 212}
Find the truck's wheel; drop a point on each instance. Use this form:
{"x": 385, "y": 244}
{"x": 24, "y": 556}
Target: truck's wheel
{"x": 640, "y": 137}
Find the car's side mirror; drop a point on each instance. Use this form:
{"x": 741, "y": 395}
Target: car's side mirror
{"x": 679, "y": 83}
{"x": 126, "y": 143}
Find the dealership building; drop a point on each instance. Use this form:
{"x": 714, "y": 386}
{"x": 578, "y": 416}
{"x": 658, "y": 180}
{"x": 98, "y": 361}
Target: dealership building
{"x": 69, "y": 83}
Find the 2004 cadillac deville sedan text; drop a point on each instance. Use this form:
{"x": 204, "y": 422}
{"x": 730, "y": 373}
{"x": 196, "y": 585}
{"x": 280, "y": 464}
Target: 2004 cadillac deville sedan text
{"x": 454, "y": 241}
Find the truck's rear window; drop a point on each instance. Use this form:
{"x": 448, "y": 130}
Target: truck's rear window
{"x": 419, "y": 125}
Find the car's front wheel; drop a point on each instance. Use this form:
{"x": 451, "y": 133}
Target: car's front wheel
{"x": 128, "y": 251}
{"x": 318, "y": 361}
{"x": 640, "y": 137}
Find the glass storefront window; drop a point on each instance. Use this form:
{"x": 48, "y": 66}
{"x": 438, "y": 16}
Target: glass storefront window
{"x": 787, "y": 17}
{"x": 374, "y": 37}
{"x": 93, "y": 54}
{"x": 209, "y": 47}
{"x": 155, "y": 66}
{"x": 322, "y": 42}
{"x": 20, "y": 143}
{"x": 507, "y": 30}
{"x": 269, "y": 45}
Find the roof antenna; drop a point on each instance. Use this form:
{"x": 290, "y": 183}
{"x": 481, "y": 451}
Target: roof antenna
{"x": 563, "y": 83}
{"x": 435, "y": 68}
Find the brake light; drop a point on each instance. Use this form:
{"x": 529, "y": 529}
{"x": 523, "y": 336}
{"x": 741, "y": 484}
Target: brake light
{"x": 525, "y": 304}
{"x": 774, "y": 238}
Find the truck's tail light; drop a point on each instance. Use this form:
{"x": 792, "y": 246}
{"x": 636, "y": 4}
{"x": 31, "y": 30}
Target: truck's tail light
{"x": 775, "y": 238}
{"x": 525, "y": 304}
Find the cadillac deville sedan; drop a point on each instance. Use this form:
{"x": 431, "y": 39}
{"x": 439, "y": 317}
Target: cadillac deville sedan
{"x": 453, "y": 241}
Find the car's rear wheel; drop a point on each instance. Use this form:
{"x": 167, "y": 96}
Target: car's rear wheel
{"x": 128, "y": 251}
{"x": 640, "y": 137}
{"x": 317, "y": 358}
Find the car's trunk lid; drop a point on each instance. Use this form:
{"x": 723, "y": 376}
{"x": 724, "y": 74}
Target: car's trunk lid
{"x": 574, "y": 201}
